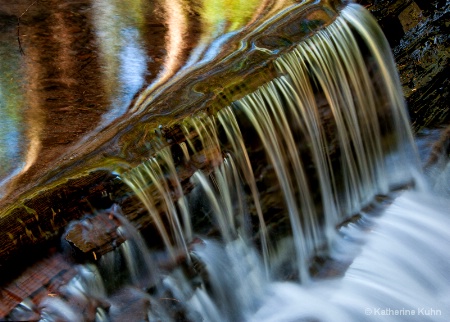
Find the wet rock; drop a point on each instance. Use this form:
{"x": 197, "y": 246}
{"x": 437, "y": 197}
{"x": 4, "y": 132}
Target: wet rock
{"x": 94, "y": 235}
{"x": 418, "y": 32}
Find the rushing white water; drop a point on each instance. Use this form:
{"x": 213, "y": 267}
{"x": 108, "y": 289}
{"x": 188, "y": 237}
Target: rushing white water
{"x": 400, "y": 274}
{"x": 274, "y": 175}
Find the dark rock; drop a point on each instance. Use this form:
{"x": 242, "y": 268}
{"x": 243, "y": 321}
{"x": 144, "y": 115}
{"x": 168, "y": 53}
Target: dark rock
{"x": 418, "y": 32}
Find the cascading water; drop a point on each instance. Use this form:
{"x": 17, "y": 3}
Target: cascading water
{"x": 400, "y": 273}
{"x": 284, "y": 179}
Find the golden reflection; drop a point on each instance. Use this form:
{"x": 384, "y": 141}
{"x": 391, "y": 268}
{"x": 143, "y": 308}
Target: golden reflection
{"x": 64, "y": 41}
{"x": 19, "y": 131}
{"x": 34, "y": 116}
{"x": 221, "y": 16}
{"x": 55, "y": 90}
{"x": 176, "y": 22}
{"x": 174, "y": 14}
{"x": 219, "y": 20}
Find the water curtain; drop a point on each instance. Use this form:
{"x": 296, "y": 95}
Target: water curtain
{"x": 323, "y": 87}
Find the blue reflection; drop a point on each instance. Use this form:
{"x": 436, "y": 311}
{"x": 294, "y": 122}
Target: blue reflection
{"x": 215, "y": 47}
{"x": 131, "y": 73}
{"x": 11, "y": 106}
{"x": 9, "y": 137}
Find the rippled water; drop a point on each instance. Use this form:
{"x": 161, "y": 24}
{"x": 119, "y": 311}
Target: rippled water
{"x": 72, "y": 69}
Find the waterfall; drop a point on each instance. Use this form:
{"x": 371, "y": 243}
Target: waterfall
{"x": 323, "y": 179}
{"x": 262, "y": 199}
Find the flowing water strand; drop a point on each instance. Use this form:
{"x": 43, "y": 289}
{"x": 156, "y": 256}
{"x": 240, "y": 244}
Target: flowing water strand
{"x": 217, "y": 208}
{"x": 329, "y": 77}
{"x": 185, "y": 150}
{"x": 205, "y": 130}
{"x": 333, "y": 59}
{"x": 157, "y": 176}
{"x": 222, "y": 187}
{"x": 216, "y": 187}
{"x": 307, "y": 118}
{"x": 257, "y": 111}
{"x": 228, "y": 186}
{"x": 166, "y": 156}
{"x": 235, "y": 278}
{"x": 308, "y": 213}
{"x": 139, "y": 180}
{"x": 360, "y": 84}
{"x": 368, "y": 29}
{"x": 234, "y": 136}
{"x": 237, "y": 194}
{"x": 347, "y": 99}
{"x": 139, "y": 262}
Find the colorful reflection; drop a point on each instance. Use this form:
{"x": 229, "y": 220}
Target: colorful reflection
{"x": 219, "y": 21}
{"x": 11, "y": 107}
{"x": 119, "y": 27}
{"x": 88, "y": 65}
